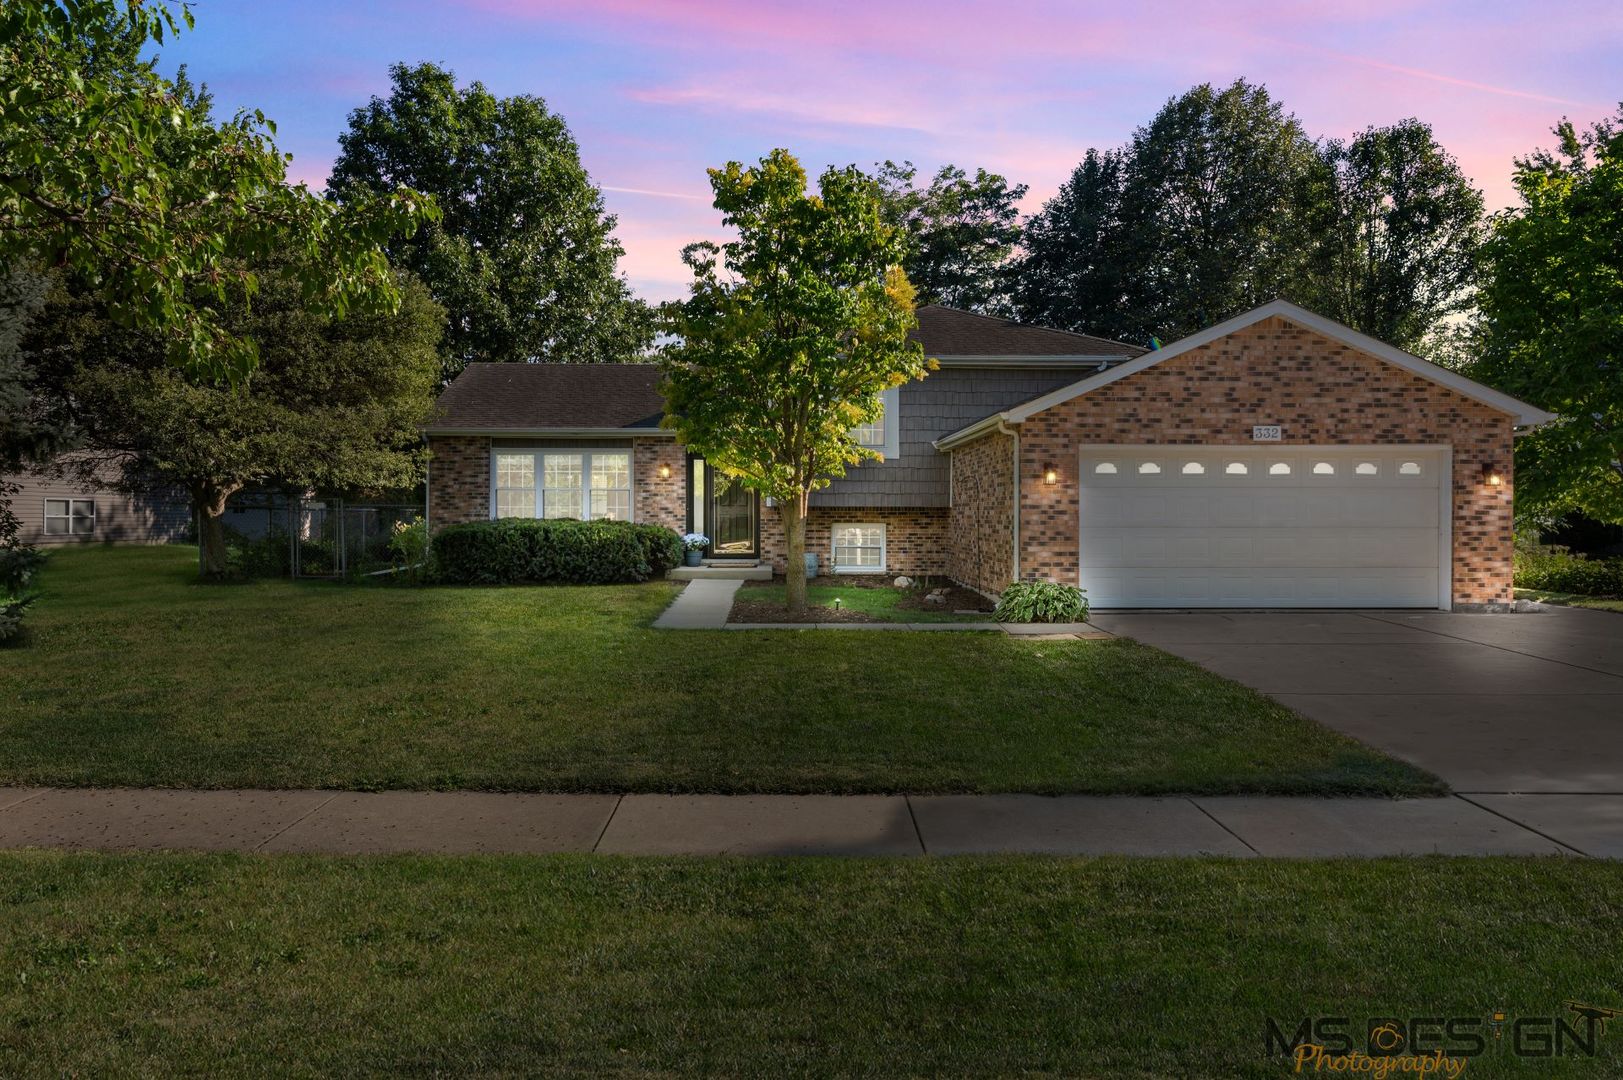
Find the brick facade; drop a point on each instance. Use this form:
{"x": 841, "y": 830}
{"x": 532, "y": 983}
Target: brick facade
{"x": 1321, "y": 392}
{"x": 915, "y": 540}
{"x": 659, "y": 500}
{"x": 981, "y": 554}
{"x": 458, "y": 480}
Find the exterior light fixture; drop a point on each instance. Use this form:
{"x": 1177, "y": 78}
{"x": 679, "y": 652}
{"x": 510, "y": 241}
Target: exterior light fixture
{"x": 1050, "y": 474}
{"x": 836, "y": 603}
{"x": 664, "y": 472}
{"x": 1491, "y": 477}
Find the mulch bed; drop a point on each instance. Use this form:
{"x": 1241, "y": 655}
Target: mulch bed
{"x": 958, "y": 598}
{"x": 765, "y": 611}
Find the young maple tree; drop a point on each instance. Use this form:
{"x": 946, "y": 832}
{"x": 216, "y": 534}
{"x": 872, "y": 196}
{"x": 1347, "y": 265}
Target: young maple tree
{"x": 790, "y": 335}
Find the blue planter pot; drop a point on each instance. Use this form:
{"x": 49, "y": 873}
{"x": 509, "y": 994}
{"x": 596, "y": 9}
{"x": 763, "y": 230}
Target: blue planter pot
{"x": 692, "y": 558}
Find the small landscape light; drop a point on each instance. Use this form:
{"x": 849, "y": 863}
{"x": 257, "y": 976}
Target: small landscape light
{"x": 836, "y": 603}
{"x": 1050, "y": 474}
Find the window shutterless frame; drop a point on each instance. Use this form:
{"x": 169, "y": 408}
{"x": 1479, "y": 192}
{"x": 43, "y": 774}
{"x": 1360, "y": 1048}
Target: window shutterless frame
{"x": 70, "y": 517}
{"x": 584, "y": 483}
{"x": 862, "y": 540}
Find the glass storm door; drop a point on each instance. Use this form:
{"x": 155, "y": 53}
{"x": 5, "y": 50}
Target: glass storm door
{"x": 732, "y": 517}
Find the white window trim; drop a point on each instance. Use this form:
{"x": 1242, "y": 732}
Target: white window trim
{"x": 585, "y": 453}
{"x": 47, "y": 517}
{"x": 892, "y": 446}
{"x": 884, "y": 553}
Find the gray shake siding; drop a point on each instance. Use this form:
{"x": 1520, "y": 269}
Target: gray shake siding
{"x": 937, "y": 405}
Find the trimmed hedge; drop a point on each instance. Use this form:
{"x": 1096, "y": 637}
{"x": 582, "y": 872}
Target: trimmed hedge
{"x": 1555, "y": 570}
{"x": 526, "y": 551}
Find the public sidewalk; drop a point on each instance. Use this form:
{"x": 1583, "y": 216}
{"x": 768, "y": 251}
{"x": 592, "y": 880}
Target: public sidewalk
{"x": 463, "y": 822}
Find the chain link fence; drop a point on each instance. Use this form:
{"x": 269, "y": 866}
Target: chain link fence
{"x": 269, "y": 534}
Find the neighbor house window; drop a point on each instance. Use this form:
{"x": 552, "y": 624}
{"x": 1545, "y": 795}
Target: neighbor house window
{"x": 70, "y": 517}
{"x": 859, "y": 549}
{"x": 562, "y": 484}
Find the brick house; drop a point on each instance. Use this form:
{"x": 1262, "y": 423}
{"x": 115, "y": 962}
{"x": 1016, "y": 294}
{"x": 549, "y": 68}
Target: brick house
{"x": 1276, "y": 460}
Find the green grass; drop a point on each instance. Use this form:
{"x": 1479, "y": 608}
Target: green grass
{"x": 1544, "y": 596}
{"x": 134, "y": 674}
{"x": 879, "y": 604}
{"x": 169, "y": 965}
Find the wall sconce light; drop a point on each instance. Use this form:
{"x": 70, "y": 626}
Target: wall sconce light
{"x": 1050, "y": 474}
{"x": 664, "y": 472}
{"x": 1491, "y": 477}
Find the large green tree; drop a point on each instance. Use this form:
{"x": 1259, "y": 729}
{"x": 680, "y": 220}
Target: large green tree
{"x": 107, "y": 172}
{"x": 1222, "y": 202}
{"x": 1395, "y": 227}
{"x": 1552, "y": 320}
{"x": 334, "y": 402}
{"x": 524, "y": 257}
{"x": 790, "y": 335}
{"x": 1074, "y": 272}
{"x": 961, "y": 232}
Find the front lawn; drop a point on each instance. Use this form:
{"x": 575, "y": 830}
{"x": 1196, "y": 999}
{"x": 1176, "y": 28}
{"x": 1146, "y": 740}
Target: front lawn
{"x": 166, "y": 965}
{"x": 135, "y": 674}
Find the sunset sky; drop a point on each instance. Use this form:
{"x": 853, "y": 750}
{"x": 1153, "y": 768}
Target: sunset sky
{"x": 656, "y": 90}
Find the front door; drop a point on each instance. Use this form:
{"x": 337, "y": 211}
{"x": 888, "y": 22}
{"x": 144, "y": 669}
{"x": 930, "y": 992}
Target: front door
{"x": 733, "y": 518}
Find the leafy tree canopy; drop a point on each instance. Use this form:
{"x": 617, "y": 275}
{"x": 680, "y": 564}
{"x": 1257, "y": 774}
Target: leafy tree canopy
{"x": 1396, "y": 227}
{"x": 961, "y": 233}
{"x": 84, "y": 186}
{"x": 1552, "y": 320}
{"x": 334, "y": 403}
{"x": 790, "y": 334}
{"x": 524, "y": 258}
{"x": 1222, "y": 202}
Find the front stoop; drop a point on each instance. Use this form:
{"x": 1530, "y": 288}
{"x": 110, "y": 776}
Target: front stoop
{"x": 722, "y": 572}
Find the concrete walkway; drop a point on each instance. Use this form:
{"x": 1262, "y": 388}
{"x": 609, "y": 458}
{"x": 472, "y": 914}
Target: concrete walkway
{"x": 701, "y": 605}
{"x": 1529, "y": 702}
{"x": 464, "y": 822}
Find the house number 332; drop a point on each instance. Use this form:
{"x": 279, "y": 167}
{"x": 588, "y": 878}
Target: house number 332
{"x": 1267, "y": 433}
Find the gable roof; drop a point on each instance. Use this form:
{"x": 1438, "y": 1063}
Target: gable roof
{"x": 1524, "y": 415}
{"x": 595, "y": 399}
{"x": 948, "y": 333}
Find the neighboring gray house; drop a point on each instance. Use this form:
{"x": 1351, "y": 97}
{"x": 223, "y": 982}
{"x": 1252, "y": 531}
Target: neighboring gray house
{"x": 66, "y": 510}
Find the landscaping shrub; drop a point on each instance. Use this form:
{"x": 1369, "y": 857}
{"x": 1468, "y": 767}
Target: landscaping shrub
{"x": 525, "y": 551}
{"x": 265, "y": 557}
{"x": 1555, "y": 569}
{"x": 18, "y": 565}
{"x": 1041, "y": 601}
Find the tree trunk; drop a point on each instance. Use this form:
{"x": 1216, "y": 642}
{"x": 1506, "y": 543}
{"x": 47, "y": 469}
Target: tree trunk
{"x": 793, "y": 513}
{"x": 208, "y": 506}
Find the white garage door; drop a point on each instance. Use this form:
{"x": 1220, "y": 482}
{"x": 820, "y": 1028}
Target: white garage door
{"x": 1166, "y": 526}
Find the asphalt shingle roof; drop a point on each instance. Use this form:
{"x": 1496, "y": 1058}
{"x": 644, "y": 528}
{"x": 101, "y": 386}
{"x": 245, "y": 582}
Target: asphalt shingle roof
{"x": 540, "y": 397}
{"x": 519, "y": 397}
{"x": 947, "y": 331}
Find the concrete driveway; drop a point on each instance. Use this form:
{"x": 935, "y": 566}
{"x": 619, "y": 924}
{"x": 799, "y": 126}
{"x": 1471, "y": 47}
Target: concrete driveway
{"x": 1491, "y": 703}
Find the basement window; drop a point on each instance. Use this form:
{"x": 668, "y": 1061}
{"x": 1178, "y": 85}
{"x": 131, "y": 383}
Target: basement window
{"x": 859, "y": 548}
